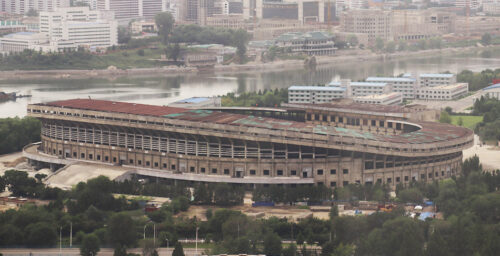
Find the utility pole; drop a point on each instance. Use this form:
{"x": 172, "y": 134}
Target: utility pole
{"x": 196, "y": 242}
{"x": 71, "y": 235}
{"x": 60, "y": 241}
{"x": 154, "y": 235}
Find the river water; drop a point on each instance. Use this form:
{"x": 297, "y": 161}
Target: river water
{"x": 162, "y": 90}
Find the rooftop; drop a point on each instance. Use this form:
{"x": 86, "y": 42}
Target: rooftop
{"x": 380, "y": 96}
{"x": 116, "y": 107}
{"x": 389, "y": 79}
{"x": 430, "y": 131}
{"x": 448, "y": 86}
{"x": 493, "y": 86}
{"x": 337, "y": 83}
{"x": 437, "y": 75}
{"x": 292, "y": 36}
{"x": 315, "y": 88}
{"x": 193, "y": 100}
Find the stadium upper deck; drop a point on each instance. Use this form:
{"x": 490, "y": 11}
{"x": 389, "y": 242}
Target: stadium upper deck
{"x": 368, "y": 140}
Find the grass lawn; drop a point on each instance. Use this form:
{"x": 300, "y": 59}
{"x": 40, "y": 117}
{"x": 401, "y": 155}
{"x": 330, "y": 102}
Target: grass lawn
{"x": 468, "y": 121}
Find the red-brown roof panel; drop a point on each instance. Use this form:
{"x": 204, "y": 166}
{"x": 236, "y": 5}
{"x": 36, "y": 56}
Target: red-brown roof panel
{"x": 117, "y": 107}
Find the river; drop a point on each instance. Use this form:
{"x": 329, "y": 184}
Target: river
{"x": 162, "y": 90}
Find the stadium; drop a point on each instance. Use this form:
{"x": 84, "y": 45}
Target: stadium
{"x": 331, "y": 144}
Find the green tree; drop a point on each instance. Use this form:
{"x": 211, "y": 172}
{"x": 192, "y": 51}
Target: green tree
{"x": 379, "y": 44}
{"x": 165, "y": 22}
{"x": 240, "y": 39}
{"x": 460, "y": 121}
{"x": 272, "y": 244}
{"x": 121, "y": 231}
{"x": 445, "y": 117}
{"x": 149, "y": 248}
{"x": 178, "y": 250}
{"x": 334, "y": 212}
{"x": 174, "y": 52}
{"x": 486, "y": 39}
{"x": 123, "y": 35}
{"x": 353, "y": 40}
{"x": 402, "y": 45}
{"x": 40, "y": 234}
{"x": 90, "y": 245}
{"x": 390, "y": 47}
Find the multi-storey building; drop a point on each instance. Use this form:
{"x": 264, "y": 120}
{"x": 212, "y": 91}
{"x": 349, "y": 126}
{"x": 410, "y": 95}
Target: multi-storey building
{"x": 80, "y": 26}
{"x": 333, "y": 144}
{"x": 310, "y": 43}
{"x": 315, "y": 94}
{"x": 374, "y": 23}
{"x": 23, "y": 6}
{"x": 436, "y": 79}
{"x": 407, "y": 86}
{"x": 443, "y": 92}
{"x": 393, "y": 98}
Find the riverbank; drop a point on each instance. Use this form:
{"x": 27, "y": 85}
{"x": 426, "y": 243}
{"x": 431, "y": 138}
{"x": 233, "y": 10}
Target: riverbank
{"x": 343, "y": 57}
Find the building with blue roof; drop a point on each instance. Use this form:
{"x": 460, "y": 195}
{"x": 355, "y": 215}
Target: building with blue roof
{"x": 492, "y": 91}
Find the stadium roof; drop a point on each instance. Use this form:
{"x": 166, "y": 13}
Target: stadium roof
{"x": 429, "y": 133}
{"x": 116, "y": 107}
{"x": 193, "y": 100}
{"x": 493, "y": 86}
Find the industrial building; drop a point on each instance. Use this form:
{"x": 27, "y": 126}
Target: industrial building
{"x": 332, "y": 144}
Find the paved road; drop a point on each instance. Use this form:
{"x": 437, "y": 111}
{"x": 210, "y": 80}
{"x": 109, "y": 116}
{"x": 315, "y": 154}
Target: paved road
{"x": 457, "y": 105}
{"x": 76, "y": 251}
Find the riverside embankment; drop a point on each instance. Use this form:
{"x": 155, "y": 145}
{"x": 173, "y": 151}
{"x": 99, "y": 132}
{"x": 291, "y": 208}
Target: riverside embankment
{"x": 342, "y": 57}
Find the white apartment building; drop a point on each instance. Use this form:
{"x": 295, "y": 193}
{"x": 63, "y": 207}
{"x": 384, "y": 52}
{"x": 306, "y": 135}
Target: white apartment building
{"x": 20, "y": 41}
{"x": 23, "y": 6}
{"x": 133, "y": 9}
{"x": 314, "y": 94}
{"x": 393, "y": 98}
{"x": 435, "y": 79}
{"x": 443, "y": 92}
{"x": 407, "y": 86}
{"x": 80, "y": 26}
{"x": 492, "y": 8}
{"x": 360, "y": 89}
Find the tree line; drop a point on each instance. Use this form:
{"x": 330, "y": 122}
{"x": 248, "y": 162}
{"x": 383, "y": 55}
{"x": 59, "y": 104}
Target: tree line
{"x": 489, "y": 128}
{"x": 266, "y": 98}
{"x": 470, "y": 204}
{"x": 15, "y": 133}
{"x": 478, "y": 80}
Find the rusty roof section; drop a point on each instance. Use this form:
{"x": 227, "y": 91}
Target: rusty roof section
{"x": 351, "y": 105}
{"x": 116, "y": 107}
{"x": 430, "y": 132}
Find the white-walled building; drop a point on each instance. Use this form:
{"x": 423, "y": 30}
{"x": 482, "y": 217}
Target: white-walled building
{"x": 134, "y": 9}
{"x": 443, "y": 92}
{"x": 20, "y": 41}
{"x": 492, "y": 91}
{"x": 80, "y": 26}
{"x": 393, "y": 98}
{"x": 436, "y": 79}
{"x": 359, "y": 89}
{"x": 23, "y": 6}
{"x": 314, "y": 94}
{"x": 407, "y": 86}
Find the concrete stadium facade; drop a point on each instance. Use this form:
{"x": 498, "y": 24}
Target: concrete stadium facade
{"x": 328, "y": 144}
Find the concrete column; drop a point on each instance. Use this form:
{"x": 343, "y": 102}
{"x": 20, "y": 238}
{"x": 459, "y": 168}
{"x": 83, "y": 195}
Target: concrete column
{"x": 300, "y": 8}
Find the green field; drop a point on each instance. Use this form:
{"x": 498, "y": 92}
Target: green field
{"x": 468, "y": 121}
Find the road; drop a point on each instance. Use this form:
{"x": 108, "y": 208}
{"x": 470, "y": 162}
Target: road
{"x": 76, "y": 251}
{"x": 457, "y": 105}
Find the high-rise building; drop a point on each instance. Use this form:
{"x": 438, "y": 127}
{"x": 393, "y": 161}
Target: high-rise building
{"x": 80, "y": 26}
{"x": 23, "y": 6}
{"x": 134, "y": 9}
{"x": 374, "y": 23}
